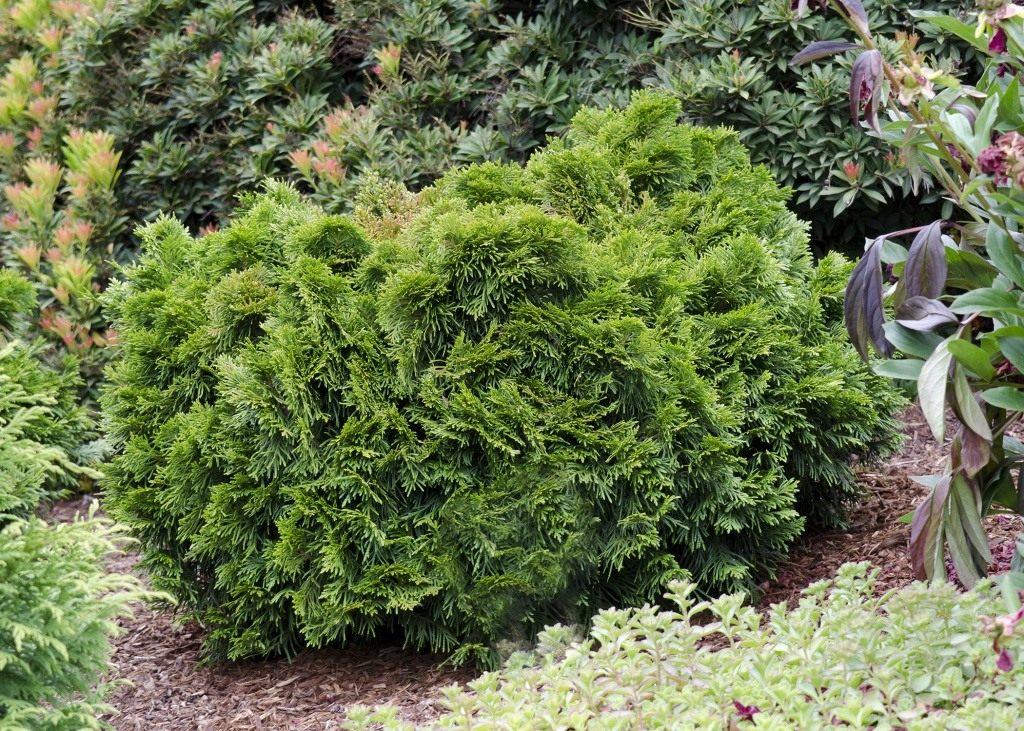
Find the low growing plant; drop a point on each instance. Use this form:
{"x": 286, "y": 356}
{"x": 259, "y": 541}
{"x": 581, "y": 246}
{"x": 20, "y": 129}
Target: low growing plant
{"x": 523, "y": 394}
{"x": 951, "y": 305}
{"x": 924, "y": 657}
{"x": 58, "y": 609}
{"x": 47, "y": 437}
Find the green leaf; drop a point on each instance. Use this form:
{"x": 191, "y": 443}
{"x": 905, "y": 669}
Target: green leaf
{"x": 931, "y": 388}
{"x": 955, "y": 26}
{"x": 972, "y": 357}
{"x": 1013, "y": 349}
{"x": 1005, "y": 397}
{"x": 911, "y": 342}
{"x": 1011, "y": 585}
{"x": 1005, "y": 254}
{"x": 983, "y": 127}
{"x": 986, "y": 300}
{"x": 893, "y": 252}
{"x": 968, "y": 271}
{"x": 903, "y": 370}
{"x": 971, "y": 412}
{"x": 1010, "y": 111}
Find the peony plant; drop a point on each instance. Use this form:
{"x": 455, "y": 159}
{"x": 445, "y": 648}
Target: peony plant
{"x": 944, "y": 302}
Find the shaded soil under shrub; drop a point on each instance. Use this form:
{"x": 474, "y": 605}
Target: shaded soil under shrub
{"x": 168, "y": 689}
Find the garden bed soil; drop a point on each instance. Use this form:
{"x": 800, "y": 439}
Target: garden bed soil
{"x": 164, "y": 686}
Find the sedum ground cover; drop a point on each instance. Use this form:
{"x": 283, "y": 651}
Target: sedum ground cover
{"x": 912, "y": 659}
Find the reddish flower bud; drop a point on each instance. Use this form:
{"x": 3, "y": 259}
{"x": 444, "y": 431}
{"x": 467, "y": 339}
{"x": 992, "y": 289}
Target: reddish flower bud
{"x": 998, "y": 42}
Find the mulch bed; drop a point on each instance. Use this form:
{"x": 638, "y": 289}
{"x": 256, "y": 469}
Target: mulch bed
{"x": 167, "y": 688}
{"x": 876, "y": 534}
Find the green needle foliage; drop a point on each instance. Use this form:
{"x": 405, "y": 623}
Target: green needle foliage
{"x": 57, "y": 604}
{"x": 58, "y": 608}
{"x": 44, "y": 433}
{"x": 526, "y": 393}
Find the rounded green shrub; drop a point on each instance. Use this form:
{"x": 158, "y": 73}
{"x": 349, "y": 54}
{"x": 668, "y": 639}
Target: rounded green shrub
{"x": 844, "y": 657}
{"x": 526, "y": 393}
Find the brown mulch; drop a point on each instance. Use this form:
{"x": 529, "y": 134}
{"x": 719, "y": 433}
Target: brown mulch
{"x": 168, "y": 689}
{"x": 875, "y": 533}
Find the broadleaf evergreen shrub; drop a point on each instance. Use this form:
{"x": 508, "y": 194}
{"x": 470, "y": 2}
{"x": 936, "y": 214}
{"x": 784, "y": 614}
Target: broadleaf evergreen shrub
{"x": 522, "y": 394}
{"x": 206, "y": 97}
{"x": 62, "y": 225}
{"x": 917, "y": 659}
{"x": 58, "y": 605}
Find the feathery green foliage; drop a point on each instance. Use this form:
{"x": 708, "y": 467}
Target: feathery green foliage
{"x": 45, "y": 434}
{"x": 913, "y": 659}
{"x": 527, "y": 393}
{"x": 57, "y": 604}
{"x": 58, "y": 608}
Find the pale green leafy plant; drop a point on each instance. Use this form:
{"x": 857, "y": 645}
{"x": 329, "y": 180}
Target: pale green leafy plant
{"x": 925, "y": 657}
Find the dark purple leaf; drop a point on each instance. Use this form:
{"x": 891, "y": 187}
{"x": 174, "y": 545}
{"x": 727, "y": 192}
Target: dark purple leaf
{"x": 1005, "y": 661}
{"x": 866, "y": 88}
{"x": 975, "y": 451}
{"x": 744, "y": 712}
{"x": 855, "y": 10}
{"x": 926, "y": 529}
{"x": 821, "y": 49}
{"x": 924, "y": 274}
{"x": 924, "y": 314}
{"x": 862, "y": 308}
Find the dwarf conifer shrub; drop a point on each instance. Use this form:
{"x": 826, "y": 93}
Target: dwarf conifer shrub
{"x": 57, "y": 604}
{"x": 525, "y": 393}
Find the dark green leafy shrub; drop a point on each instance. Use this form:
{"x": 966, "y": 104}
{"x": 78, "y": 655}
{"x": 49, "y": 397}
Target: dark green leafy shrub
{"x": 913, "y": 659}
{"x": 728, "y": 62}
{"x": 529, "y": 392}
{"x": 57, "y": 604}
{"x": 517, "y": 72}
{"x": 209, "y": 96}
